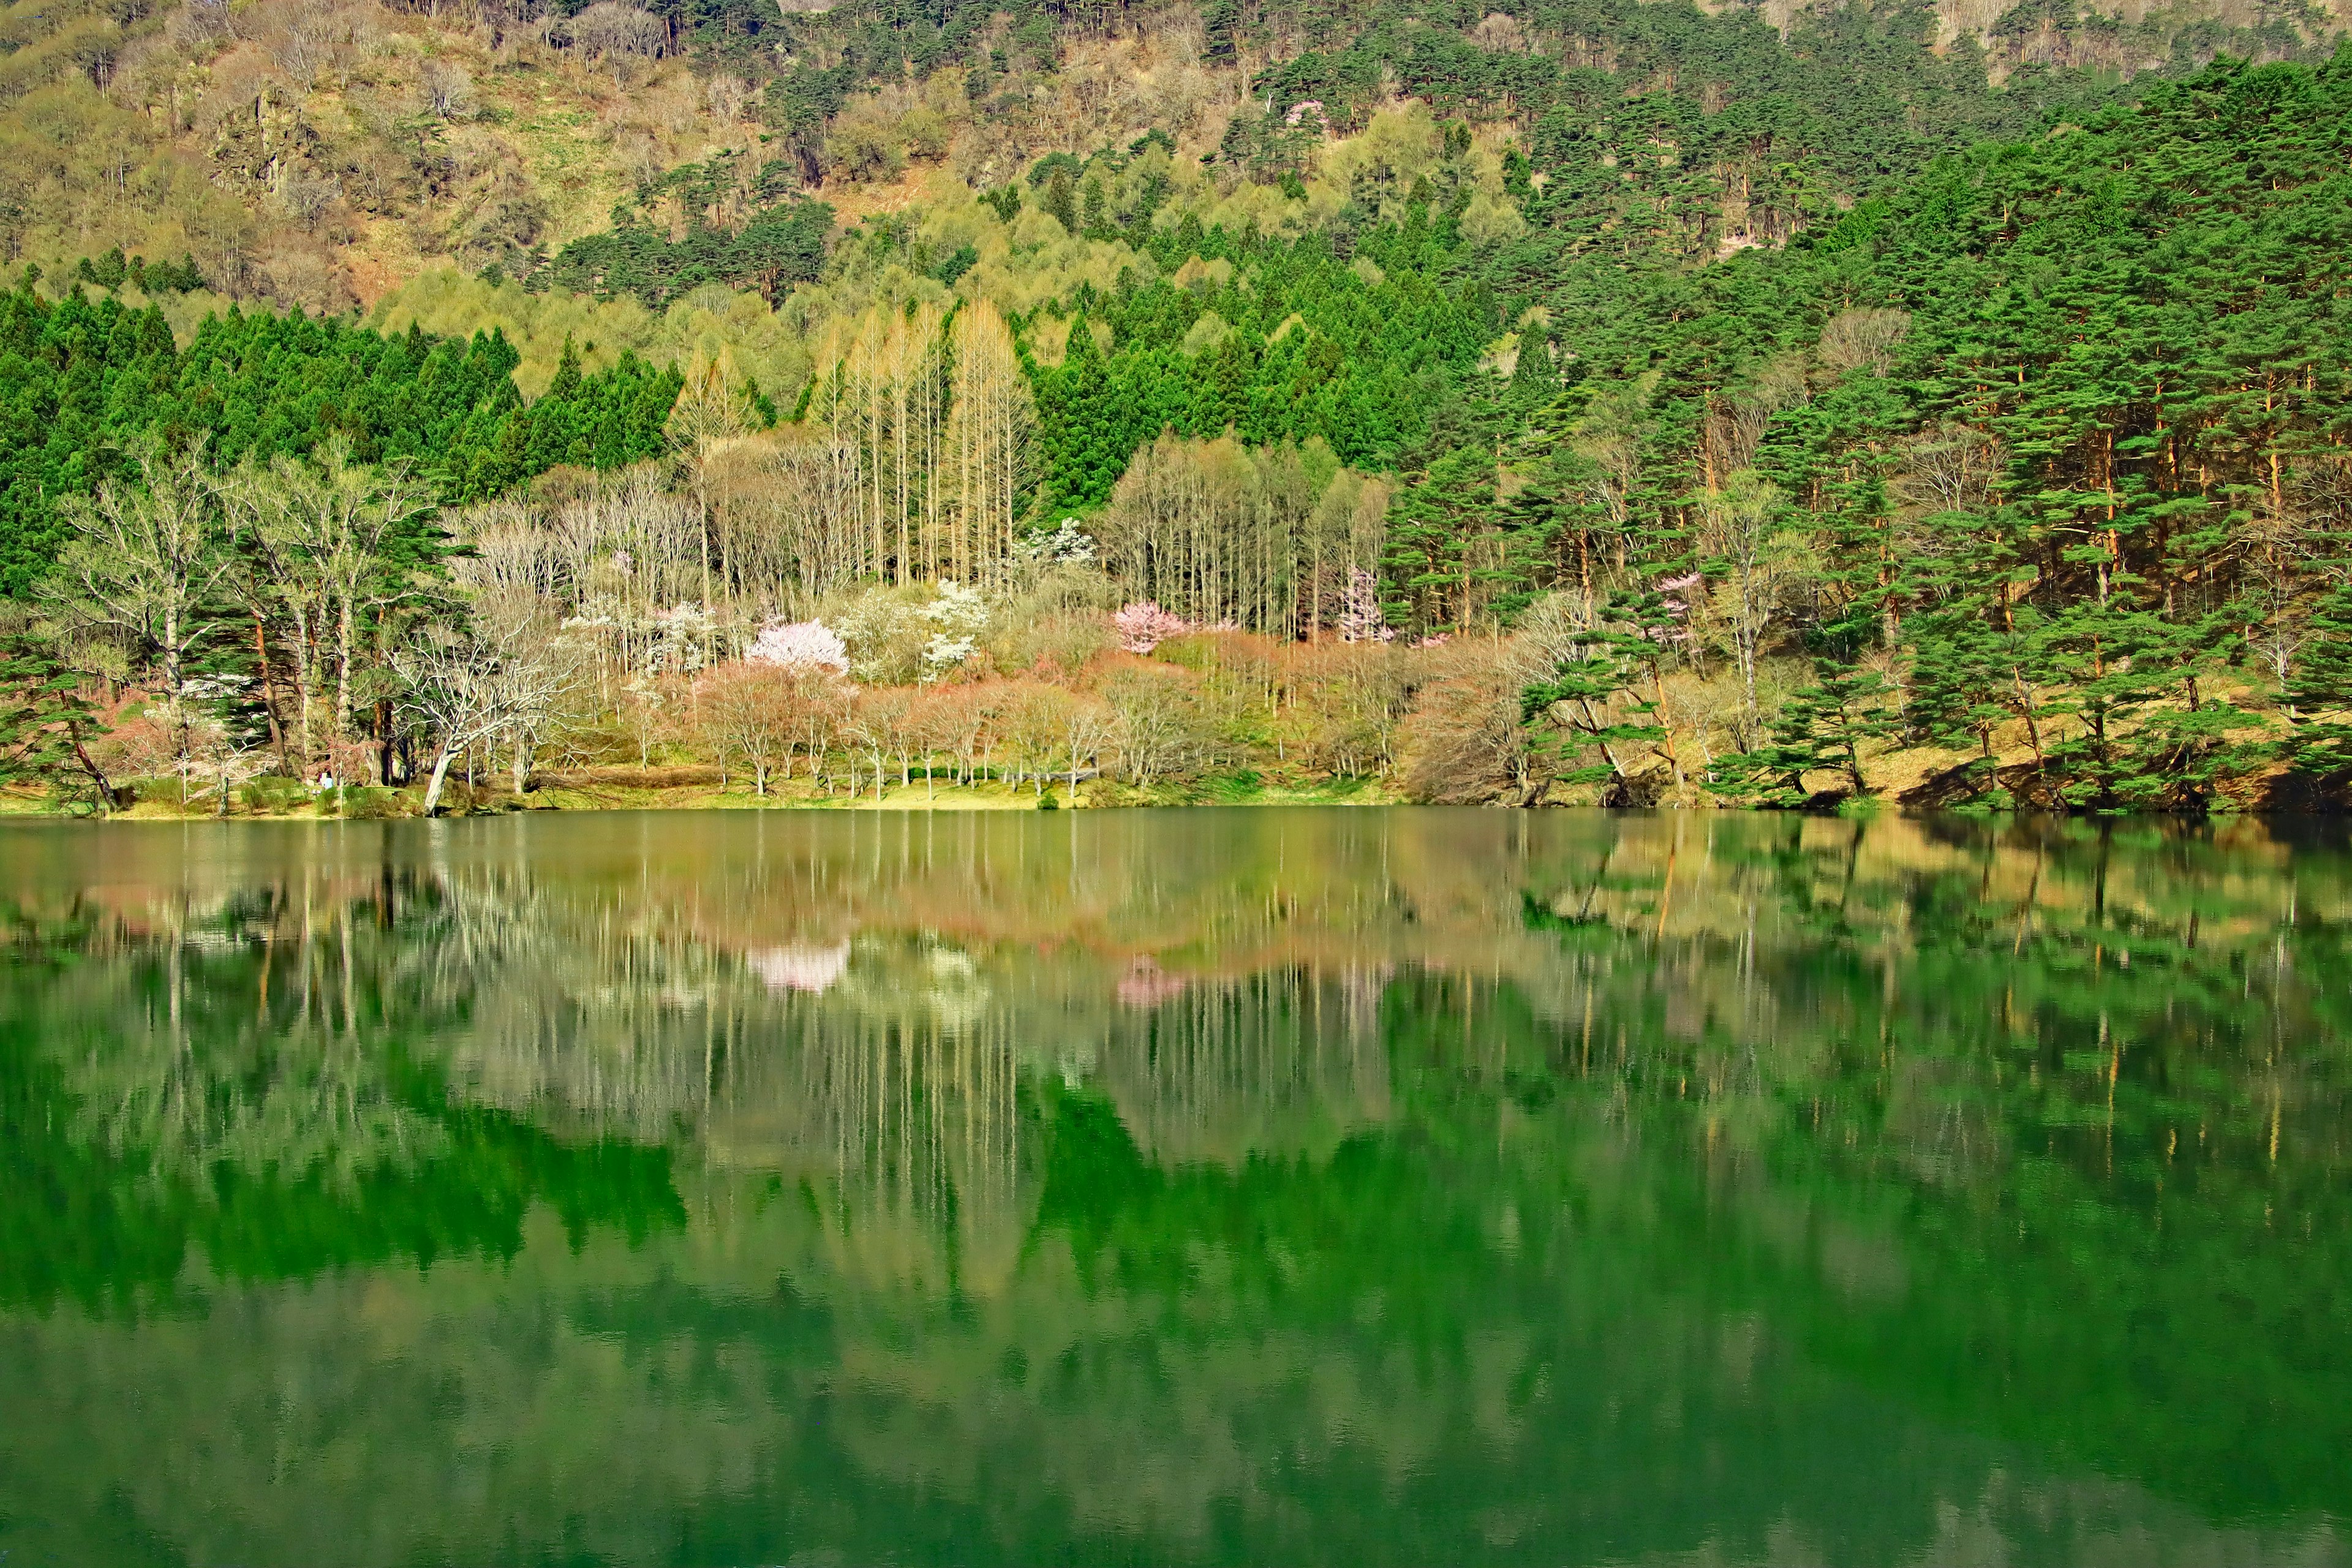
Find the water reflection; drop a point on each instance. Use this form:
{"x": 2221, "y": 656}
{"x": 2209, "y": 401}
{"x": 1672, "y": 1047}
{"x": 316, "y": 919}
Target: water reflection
{"x": 1219, "y": 1186}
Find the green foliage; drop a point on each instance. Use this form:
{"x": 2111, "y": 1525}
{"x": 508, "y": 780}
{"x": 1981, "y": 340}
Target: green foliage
{"x": 112, "y": 271}
{"x": 2319, "y": 691}
{"x": 1819, "y": 730}
{"x": 779, "y": 247}
{"x": 45, "y": 720}
{"x": 1313, "y": 350}
{"x": 78, "y": 380}
{"x": 1588, "y": 703}
{"x": 110, "y": 1231}
{"x": 1604, "y": 696}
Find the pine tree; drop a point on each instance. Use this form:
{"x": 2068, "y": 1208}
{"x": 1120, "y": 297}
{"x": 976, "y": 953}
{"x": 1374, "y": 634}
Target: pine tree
{"x": 2319, "y": 690}
{"x": 1819, "y": 730}
{"x": 45, "y": 723}
{"x": 1607, "y": 694}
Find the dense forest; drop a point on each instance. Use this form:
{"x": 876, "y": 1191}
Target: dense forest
{"x": 1586, "y": 402}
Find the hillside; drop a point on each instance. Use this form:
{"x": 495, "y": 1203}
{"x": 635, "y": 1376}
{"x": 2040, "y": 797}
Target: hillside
{"x": 321, "y": 153}
{"x": 1609, "y": 399}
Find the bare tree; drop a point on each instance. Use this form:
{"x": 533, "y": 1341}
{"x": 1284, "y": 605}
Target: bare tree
{"x": 327, "y": 522}
{"x": 615, "y": 32}
{"x": 1862, "y": 340}
{"x": 146, "y": 561}
{"x": 1088, "y": 727}
{"x": 223, "y": 755}
{"x": 448, "y": 90}
{"x": 1029, "y": 726}
{"x": 1217, "y": 533}
{"x": 469, "y": 686}
{"x": 1758, "y": 558}
{"x": 990, "y": 441}
{"x": 888, "y": 723}
{"x": 1155, "y": 712}
{"x": 749, "y": 711}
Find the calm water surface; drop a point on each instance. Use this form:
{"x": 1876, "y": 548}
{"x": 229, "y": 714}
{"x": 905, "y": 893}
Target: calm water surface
{"x": 1272, "y": 1187}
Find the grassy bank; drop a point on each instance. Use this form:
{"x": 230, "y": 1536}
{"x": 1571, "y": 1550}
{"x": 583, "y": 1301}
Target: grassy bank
{"x": 659, "y": 789}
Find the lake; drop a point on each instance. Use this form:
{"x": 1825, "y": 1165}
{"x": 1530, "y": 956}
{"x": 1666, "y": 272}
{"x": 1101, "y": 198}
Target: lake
{"x": 1264, "y": 1186}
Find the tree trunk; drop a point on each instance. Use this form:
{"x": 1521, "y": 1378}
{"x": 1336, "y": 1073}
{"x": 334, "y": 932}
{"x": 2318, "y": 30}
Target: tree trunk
{"x": 305, "y": 683}
{"x": 107, "y": 799}
{"x": 1666, "y": 724}
{"x": 1744, "y": 645}
{"x": 176, "y": 705}
{"x": 343, "y": 670}
{"x": 440, "y": 777}
{"x": 270, "y": 694}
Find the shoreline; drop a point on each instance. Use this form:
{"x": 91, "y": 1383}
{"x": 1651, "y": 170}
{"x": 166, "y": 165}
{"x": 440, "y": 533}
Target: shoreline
{"x": 696, "y": 788}
{"x": 370, "y": 805}
{"x": 573, "y": 793}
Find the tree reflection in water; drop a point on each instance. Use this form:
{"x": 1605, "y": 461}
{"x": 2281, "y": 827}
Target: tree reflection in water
{"x": 1197, "y": 1186}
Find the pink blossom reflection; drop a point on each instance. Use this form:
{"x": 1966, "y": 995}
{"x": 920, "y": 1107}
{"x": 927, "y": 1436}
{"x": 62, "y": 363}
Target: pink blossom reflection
{"x": 1146, "y": 984}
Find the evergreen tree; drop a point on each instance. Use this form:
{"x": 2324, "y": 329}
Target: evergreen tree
{"x": 1589, "y": 704}
{"x": 1820, "y": 728}
{"x": 2319, "y": 690}
{"x": 46, "y": 723}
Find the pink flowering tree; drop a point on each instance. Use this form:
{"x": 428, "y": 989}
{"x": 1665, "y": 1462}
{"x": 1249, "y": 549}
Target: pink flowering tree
{"x": 1144, "y": 626}
{"x": 1675, "y": 594}
{"x": 799, "y": 645}
{"x": 1360, "y": 619}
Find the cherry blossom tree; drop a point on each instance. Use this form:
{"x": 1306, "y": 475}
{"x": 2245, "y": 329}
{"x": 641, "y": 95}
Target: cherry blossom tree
{"x": 1360, "y": 619}
{"x": 1145, "y": 625}
{"x": 799, "y": 645}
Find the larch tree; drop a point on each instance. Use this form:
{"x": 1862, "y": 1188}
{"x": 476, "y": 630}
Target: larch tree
{"x": 991, "y": 447}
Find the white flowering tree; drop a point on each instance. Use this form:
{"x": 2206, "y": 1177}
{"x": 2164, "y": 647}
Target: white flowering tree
{"x": 799, "y": 645}
{"x": 1068, "y": 545}
{"x": 957, "y": 616}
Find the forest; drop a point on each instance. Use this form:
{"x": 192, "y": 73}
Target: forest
{"x": 1584, "y": 402}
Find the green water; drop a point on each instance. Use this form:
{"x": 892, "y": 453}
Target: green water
{"x": 1270, "y": 1186}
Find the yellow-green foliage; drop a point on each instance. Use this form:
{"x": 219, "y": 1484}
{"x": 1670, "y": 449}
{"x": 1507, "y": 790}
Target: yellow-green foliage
{"x": 184, "y": 313}
{"x": 1028, "y": 262}
{"x": 708, "y": 324}
{"x": 1038, "y": 261}
{"x": 877, "y": 135}
{"x": 1380, "y": 163}
{"x": 1021, "y": 265}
